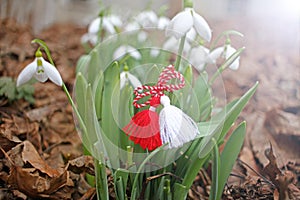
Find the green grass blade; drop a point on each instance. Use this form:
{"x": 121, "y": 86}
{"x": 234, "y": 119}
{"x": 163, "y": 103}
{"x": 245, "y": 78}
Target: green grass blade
{"x": 82, "y": 64}
{"x": 121, "y": 178}
{"x": 101, "y": 180}
{"x": 229, "y": 115}
{"x": 215, "y": 172}
{"x": 230, "y": 154}
{"x": 180, "y": 191}
{"x": 110, "y": 106}
{"x": 98, "y": 90}
{"x": 94, "y": 66}
{"x": 135, "y": 186}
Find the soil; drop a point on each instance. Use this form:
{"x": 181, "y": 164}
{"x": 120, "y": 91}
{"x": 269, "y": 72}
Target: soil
{"x": 40, "y": 145}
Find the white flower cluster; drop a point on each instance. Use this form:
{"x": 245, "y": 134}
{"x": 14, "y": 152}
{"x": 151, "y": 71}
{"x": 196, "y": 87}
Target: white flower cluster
{"x": 186, "y": 23}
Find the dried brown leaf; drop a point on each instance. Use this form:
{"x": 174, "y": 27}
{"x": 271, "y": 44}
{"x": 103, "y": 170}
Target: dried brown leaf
{"x": 31, "y": 183}
{"x": 82, "y": 164}
{"x": 30, "y": 155}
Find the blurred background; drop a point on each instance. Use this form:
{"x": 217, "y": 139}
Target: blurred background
{"x": 271, "y": 31}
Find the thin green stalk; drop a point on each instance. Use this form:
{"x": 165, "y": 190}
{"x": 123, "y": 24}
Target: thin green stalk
{"x": 179, "y": 53}
{"x": 45, "y": 47}
{"x": 225, "y": 65}
{"x": 226, "y": 34}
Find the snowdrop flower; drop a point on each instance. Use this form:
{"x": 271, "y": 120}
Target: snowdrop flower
{"x": 225, "y": 51}
{"x": 41, "y": 70}
{"x": 147, "y": 19}
{"x": 108, "y": 24}
{"x": 172, "y": 45}
{"x": 154, "y": 52}
{"x": 142, "y": 36}
{"x": 126, "y": 49}
{"x": 163, "y": 22}
{"x": 126, "y": 76}
{"x": 132, "y": 26}
{"x": 185, "y": 20}
{"x": 199, "y": 56}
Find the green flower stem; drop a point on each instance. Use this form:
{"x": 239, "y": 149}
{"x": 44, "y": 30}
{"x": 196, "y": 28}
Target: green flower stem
{"x": 179, "y": 53}
{"x": 45, "y": 47}
{"x": 225, "y": 34}
{"x": 188, "y": 3}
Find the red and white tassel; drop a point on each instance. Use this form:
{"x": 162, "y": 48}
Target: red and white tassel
{"x": 176, "y": 127}
{"x": 143, "y": 128}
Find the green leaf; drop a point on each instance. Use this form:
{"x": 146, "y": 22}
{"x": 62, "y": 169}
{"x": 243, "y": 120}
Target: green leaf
{"x": 110, "y": 109}
{"x": 230, "y": 154}
{"x": 8, "y": 88}
{"x": 202, "y": 146}
{"x": 90, "y": 120}
{"x": 167, "y": 190}
{"x": 135, "y": 187}
{"x": 152, "y": 75}
{"x": 80, "y": 93}
{"x": 203, "y": 94}
{"x": 82, "y": 64}
{"x": 98, "y": 90}
{"x": 180, "y": 191}
{"x": 226, "y": 64}
{"x": 228, "y": 116}
{"x": 101, "y": 180}
{"x": 125, "y": 113}
{"x": 188, "y": 75}
{"x": 215, "y": 172}
{"x": 94, "y": 66}
{"x": 121, "y": 178}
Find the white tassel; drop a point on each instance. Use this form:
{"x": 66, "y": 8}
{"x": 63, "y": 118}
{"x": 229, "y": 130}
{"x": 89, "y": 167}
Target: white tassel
{"x": 176, "y": 127}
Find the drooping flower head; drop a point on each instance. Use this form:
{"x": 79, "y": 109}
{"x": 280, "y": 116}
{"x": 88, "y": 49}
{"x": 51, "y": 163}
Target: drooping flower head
{"x": 126, "y": 76}
{"x": 126, "y": 49}
{"x": 225, "y": 51}
{"x": 41, "y": 70}
{"x": 185, "y": 20}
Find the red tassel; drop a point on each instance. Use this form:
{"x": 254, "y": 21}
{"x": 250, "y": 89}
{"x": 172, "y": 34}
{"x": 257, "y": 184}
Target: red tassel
{"x": 143, "y": 128}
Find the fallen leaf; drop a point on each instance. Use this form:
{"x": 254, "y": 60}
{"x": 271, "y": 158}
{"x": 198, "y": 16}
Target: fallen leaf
{"x": 30, "y": 155}
{"x": 82, "y": 164}
{"x": 31, "y": 183}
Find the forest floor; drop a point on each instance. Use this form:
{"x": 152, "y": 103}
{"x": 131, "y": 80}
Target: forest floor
{"x": 40, "y": 145}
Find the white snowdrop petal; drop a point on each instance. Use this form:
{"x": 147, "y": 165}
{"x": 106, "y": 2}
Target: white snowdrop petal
{"x": 163, "y": 23}
{"x": 94, "y": 26}
{"x": 235, "y": 65}
{"x": 198, "y": 57}
{"x": 108, "y": 26}
{"x": 41, "y": 77}
{"x": 180, "y": 24}
{"x": 115, "y": 20}
{"x": 147, "y": 19}
{"x": 215, "y": 54}
{"x": 191, "y": 35}
{"x": 119, "y": 52}
{"x": 171, "y": 44}
{"x": 27, "y": 73}
{"x": 229, "y": 51}
{"x": 142, "y": 36}
{"x": 154, "y": 52}
{"x": 122, "y": 79}
{"x": 135, "y": 54}
{"x": 52, "y": 73}
{"x": 201, "y": 26}
{"x": 134, "y": 81}
{"x": 132, "y": 26}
